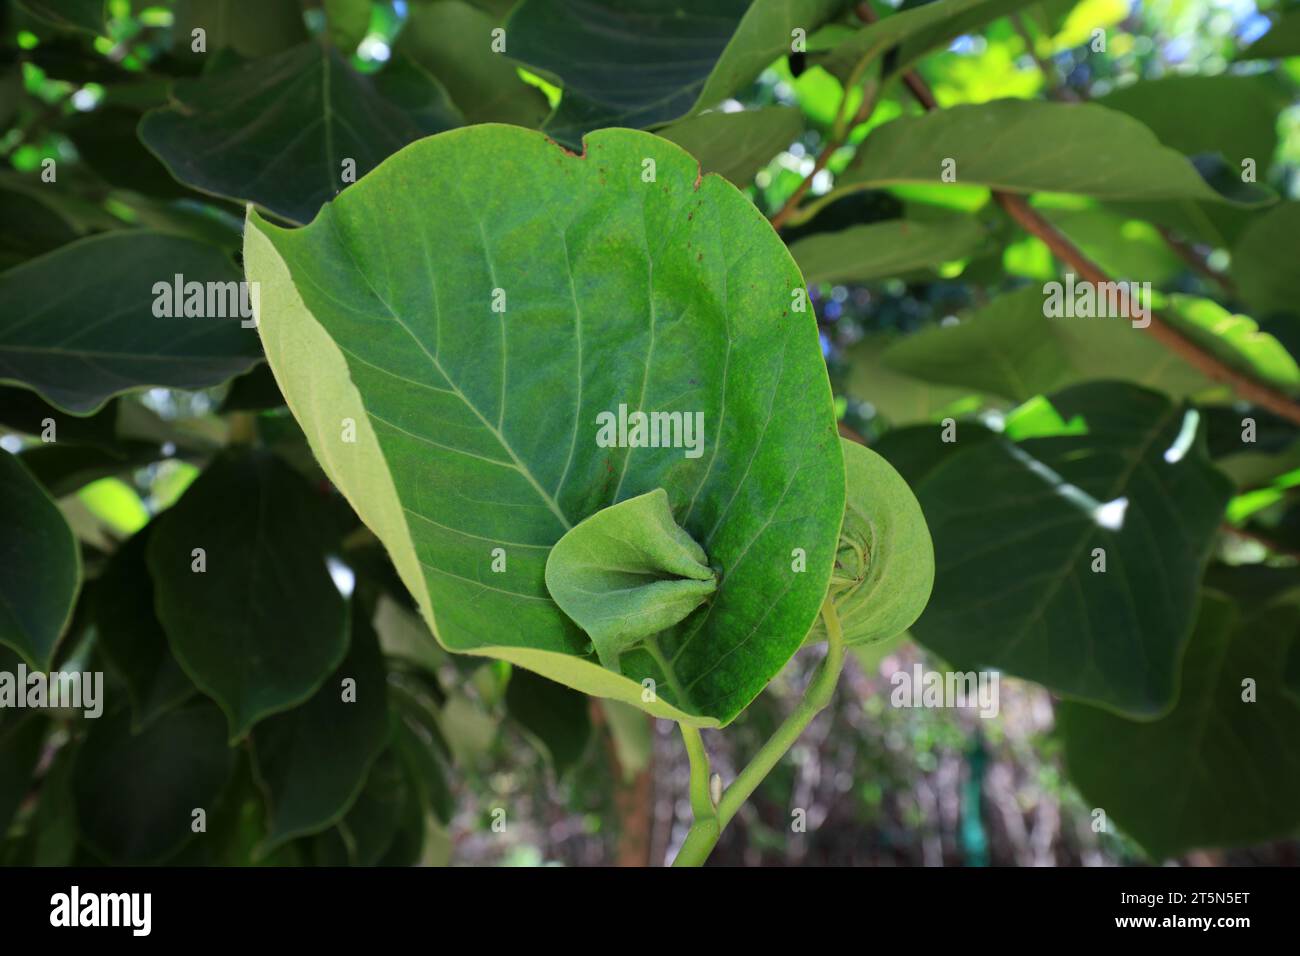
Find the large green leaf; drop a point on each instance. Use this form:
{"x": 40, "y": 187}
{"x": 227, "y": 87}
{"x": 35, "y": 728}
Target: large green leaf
{"x": 627, "y": 573}
{"x": 313, "y": 760}
{"x": 453, "y": 40}
{"x": 136, "y": 793}
{"x": 647, "y": 62}
{"x": 1016, "y": 527}
{"x": 884, "y": 568}
{"x": 1263, "y": 261}
{"x": 78, "y": 326}
{"x": 40, "y": 566}
{"x": 1217, "y": 770}
{"x": 882, "y": 250}
{"x": 276, "y": 131}
{"x": 263, "y": 625}
{"x": 736, "y": 145}
{"x": 476, "y": 429}
{"x": 1024, "y": 146}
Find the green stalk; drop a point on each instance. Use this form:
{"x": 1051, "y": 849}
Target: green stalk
{"x": 709, "y": 820}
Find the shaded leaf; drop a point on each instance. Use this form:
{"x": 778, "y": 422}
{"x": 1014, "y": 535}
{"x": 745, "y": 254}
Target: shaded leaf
{"x": 133, "y": 640}
{"x": 648, "y": 62}
{"x": 1263, "y": 261}
{"x": 78, "y": 325}
{"x": 313, "y": 760}
{"x": 136, "y": 793}
{"x": 40, "y": 566}
{"x": 263, "y": 625}
{"x": 1227, "y": 771}
{"x": 276, "y": 131}
{"x": 553, "y": 714}
{"x": 1016, "y": 528}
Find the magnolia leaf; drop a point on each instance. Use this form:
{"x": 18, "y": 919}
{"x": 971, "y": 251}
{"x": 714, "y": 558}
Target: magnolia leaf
{"x": 1001, "y": 145}
{"x": 1227, "y": 767}
{"x": 242, "y": 588}
{"x": 628, "y": 572}
{"x": 82, "y": 15}
{"x": 40, "y": 566}
{"x": 648, "y": 62}
{"x": 882, "y": 250}
{"x": 884, "y": 567}
{"x": 737, "y": 145}
{"x": 1042, "y": 545}
{"x": 79, "y": 325}
{"x": 280, "y": 131}
{"x": 462, "y": 386}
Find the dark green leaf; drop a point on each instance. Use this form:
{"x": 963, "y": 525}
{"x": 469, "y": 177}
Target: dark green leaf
{"x": 1016, "y": 528}
{"x": 648, "y": 62}
{"x": 78, "y": 325}
{"x": 313, "y": 760}
{"x": 133, "y": 640}
{"x": 40, "y": 566}
{"x": 277, "y": 131}
{"x": 1263, "y": 261}
{"x": 1218, "y": 770}
{"x": 263, "y": 625}
{"x": 552, "y": 713}
{"x": 136, "y": 793}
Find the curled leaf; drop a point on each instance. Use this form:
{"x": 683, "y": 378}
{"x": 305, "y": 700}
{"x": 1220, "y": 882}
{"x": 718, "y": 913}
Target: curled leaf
{"x": 628, "y": 572}
{"x": 884, "y": 567}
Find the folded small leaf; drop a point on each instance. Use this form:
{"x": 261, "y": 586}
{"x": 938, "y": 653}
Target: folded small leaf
{"x": 884, "y": 567}
{"x": 627, "y": 573}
